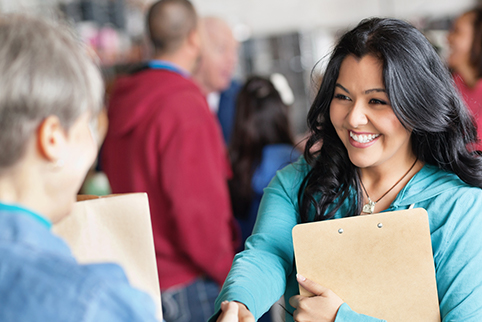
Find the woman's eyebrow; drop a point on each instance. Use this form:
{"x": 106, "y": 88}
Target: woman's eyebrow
{"x": 368, "y": 91}
{"x": 343, "y": 88}
{"x": 375, "y": 90}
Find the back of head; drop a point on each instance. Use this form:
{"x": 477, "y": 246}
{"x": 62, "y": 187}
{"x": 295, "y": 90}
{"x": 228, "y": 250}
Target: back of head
{"x": 169, "y": 23}
{"x": 261, "y": 115}
{"x": 261, "y": 119}
{"x": 43, "y": 71}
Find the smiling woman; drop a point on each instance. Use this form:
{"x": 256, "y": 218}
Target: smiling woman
{"x": 394, "y": 129}
{"x": 391, "y": 85}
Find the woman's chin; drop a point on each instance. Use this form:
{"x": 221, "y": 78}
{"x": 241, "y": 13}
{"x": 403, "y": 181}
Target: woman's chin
{"x": 361, "y": 161}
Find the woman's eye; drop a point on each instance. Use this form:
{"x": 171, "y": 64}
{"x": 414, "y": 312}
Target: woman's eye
{"x": 377, "y": 101}
{"x": 342, "y": 97}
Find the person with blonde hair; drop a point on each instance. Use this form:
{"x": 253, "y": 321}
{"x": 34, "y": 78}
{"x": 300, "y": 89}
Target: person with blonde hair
{"x": 50, "y": 94}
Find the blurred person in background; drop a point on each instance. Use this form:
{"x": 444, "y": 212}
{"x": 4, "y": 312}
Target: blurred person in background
{"x": 465, "y": 61}
{"x": 50, "y": 95}
{"x": 261, "y": 144}
{"x": 219, "y": 57}
{"x": 163, "y": 140}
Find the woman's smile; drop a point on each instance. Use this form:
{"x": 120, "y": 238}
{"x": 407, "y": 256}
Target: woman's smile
{"x": 364, "y": 139}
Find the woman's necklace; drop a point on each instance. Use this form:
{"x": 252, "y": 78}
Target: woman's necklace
{"x": 369, "y": 207}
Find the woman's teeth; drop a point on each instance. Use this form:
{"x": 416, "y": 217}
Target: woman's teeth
{"x": 363, "y": 138}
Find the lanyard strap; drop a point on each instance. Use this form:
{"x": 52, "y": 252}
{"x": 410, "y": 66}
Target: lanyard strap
{"x": 162, "y": 64}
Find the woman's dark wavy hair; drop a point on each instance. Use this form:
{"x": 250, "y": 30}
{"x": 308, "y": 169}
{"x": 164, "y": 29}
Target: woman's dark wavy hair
{"x": 424, "y": 99}
{"x": 261, "y": 119}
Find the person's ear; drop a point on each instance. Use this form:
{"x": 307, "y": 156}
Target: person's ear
{"x": 51, "y": 139}
{"x": 194, "y": 40}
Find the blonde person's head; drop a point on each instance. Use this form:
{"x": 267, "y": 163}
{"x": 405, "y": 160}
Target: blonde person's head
{"x": 44, "y": 71}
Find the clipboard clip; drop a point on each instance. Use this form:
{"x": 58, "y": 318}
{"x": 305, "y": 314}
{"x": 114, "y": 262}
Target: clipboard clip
{"x": 379, "y": 225}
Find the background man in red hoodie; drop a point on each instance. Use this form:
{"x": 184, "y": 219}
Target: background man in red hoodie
{"x": 163, "y": 140}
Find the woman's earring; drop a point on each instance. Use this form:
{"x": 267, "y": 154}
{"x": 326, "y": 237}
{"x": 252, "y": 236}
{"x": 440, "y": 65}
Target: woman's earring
{"x": 58, "y": 164}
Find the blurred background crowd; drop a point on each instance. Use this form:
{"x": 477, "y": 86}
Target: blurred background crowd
{"x": 261, "y": 64}
{"x": 287, "y": 37}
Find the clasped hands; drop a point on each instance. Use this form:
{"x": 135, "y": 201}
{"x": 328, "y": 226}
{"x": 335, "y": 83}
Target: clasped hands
{"x": 320, "y": 307}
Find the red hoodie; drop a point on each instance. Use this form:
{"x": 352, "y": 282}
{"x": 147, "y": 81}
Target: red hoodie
{"x": 163, "y": 140}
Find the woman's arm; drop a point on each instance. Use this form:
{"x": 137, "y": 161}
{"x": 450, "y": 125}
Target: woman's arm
{"x": 258, "y": 275}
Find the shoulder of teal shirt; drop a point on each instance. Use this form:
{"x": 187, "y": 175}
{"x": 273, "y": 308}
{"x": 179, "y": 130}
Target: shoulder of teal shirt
{"x": 25, "y": 211}
{"x": 455, "y": 218}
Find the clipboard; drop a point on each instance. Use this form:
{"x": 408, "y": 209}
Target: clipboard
{"x": 381, "y": 265}
{"x": 115, "y": 229}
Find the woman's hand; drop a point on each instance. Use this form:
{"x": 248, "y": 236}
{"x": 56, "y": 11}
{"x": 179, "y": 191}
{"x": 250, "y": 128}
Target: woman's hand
{"x": 230, "y": 312}
{"x": 235, "y": 312}
{"x": 323, "y": 306}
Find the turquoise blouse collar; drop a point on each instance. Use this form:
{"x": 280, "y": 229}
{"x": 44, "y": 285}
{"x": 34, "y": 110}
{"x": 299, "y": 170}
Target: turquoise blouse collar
{"x": 20, "y": 209}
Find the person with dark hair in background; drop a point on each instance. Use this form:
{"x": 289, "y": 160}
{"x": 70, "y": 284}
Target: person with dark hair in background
{"x": 163, "y": 140}
{"x": 394, "y": 135}
{"x": 262, "y": 144}
{"x": 465, "y": 60}
{"x": 50, "y": 95}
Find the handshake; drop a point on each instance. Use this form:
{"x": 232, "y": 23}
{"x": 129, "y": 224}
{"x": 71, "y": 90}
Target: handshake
{"x": 231, "y": 313}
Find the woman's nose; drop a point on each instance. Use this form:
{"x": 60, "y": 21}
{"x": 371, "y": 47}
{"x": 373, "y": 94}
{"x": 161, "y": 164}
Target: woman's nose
{"x": 357, "y": 115}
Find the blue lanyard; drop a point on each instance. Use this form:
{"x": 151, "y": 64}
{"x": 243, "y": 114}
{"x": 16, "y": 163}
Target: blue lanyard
{"x": 162, "y": 64}
{"x": 22, "y": 210}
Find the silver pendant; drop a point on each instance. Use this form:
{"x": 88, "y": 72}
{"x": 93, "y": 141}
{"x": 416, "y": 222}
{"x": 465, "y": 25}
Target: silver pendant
{"x": 369, "y": 208}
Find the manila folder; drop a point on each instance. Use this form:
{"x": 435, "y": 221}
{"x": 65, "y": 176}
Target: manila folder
{"x": 381, "y": 265}
{"x": 115, "y": 229}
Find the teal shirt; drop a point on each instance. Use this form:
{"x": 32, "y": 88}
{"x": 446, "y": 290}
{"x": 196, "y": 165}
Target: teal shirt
{"x": 265, "y": 271}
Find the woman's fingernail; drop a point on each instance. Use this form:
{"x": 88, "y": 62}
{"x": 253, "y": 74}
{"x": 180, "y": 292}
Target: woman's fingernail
{"x": 300, "y": 278}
